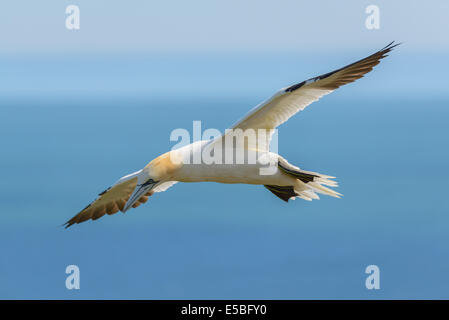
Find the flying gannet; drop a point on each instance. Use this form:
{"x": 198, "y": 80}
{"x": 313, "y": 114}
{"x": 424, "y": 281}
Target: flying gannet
{"x": 281, "y": 178}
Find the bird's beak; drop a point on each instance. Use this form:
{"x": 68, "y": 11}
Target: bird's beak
{"x": 138, "y": 192}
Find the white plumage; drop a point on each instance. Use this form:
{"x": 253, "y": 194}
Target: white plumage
{"x": 283, "y": 179}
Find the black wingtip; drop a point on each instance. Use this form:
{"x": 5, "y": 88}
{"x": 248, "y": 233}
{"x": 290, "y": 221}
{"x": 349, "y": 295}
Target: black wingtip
{"x": 387, "y": 49}
{"x": 67, "y": 224}
{"x": 382, "y": 53}
{"x": 390, "y": 46}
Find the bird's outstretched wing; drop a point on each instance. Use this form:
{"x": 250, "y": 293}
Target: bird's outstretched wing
{"x": 288, "y": 101}
{"x": 114, "y": 199}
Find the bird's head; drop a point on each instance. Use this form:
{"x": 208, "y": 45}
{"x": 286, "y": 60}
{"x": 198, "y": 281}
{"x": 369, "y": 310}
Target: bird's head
{"x": 158, "y": 170}
{"x": 145, "y": 183}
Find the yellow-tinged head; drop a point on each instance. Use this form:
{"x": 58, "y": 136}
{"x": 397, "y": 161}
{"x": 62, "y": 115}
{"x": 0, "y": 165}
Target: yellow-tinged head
{"x": 157, "y": 171}
{"x": 163, "y": 167}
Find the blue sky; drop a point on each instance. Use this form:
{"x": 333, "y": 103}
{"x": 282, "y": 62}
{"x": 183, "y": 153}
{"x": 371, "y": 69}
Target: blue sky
{"x": 213, "y": 47}
{"x": 218, "y": 26}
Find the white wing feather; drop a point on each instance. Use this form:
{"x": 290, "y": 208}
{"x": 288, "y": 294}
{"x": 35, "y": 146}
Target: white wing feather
{"x": 288, "y": 101}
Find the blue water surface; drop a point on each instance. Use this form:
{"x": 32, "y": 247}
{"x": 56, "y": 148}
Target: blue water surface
{"x": 388, "y": 150}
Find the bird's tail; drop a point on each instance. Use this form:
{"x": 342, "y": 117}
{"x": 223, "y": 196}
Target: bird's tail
{"x": 318, "y": 184}
{"x": 307, "y": 186}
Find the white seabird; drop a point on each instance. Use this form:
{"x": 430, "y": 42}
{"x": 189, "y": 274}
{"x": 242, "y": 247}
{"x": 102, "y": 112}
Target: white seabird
{"x": 285, "y": 180}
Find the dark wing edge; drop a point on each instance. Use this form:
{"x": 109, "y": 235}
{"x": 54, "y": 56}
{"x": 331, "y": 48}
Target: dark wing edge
{"x": 96, "y": 210}
{"x": 349, "y": 73}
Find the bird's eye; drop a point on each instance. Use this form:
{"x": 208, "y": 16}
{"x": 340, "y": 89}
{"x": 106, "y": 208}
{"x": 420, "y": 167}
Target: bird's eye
{"x": 149, "y": 181}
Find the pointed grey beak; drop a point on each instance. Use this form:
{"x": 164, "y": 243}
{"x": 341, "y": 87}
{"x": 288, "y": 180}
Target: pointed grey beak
{"x": 138, "y": 192}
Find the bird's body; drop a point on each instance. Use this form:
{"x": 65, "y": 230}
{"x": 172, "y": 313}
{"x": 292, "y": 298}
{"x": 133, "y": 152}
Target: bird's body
{"x": 247, "y": 173}
{"x": 239, "y": 156}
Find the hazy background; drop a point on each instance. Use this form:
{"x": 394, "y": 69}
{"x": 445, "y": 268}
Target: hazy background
{"x": 79, "y": 109}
